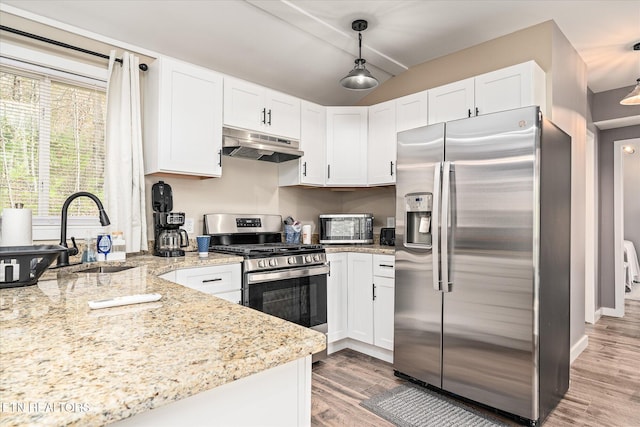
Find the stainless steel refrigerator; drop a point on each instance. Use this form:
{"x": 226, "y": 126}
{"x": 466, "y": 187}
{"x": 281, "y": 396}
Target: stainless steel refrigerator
{"x": 483, "y": 209}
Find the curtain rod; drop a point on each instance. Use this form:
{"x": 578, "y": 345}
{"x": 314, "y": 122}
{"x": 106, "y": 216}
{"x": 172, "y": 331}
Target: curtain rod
{"x": 143, "y": 67}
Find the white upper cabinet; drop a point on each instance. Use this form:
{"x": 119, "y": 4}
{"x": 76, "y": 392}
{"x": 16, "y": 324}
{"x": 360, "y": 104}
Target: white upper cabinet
{"x": 512, "y": 87}
{"x": 451, "y": 102}
{"x": 382, "y": 144}
{"x": 182, "y": 119}
{"x": 253, "y": 107}
{"x": 347, "y": 146}
{"x": 505, "y": 89}
{"x": 311, "y": 168}
{"x": 411, "y": 111}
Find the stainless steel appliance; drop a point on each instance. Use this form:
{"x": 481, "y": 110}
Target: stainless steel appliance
{"x": 388, "y": 236}
{"x": 169, "y": 238}
{"x": 483, "y": 211}
{"x": 346, "y": 228}
{"x": 288, "y": 281}
{"x": 257, "y": 146}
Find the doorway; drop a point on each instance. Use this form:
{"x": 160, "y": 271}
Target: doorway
{"x": 620, "y": 158}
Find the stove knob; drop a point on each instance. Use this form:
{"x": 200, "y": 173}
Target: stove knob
{"x": 316, "y": 257}
{"x": 262, "y": 263}
{"x": 273, "y": 262}
{"x": 291, "y": 260}
{"x": 307, "y": 258}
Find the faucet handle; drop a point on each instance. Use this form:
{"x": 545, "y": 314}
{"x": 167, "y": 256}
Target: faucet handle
{"x": 74, "y": 250}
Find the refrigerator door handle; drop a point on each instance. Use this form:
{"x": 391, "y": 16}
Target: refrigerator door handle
{"x": 444, "y": 239}
{"x": 435, "y": 225}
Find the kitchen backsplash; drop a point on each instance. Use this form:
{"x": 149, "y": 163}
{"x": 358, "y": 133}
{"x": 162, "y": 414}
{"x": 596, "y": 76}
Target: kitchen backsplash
{"x": 248, "y": 186}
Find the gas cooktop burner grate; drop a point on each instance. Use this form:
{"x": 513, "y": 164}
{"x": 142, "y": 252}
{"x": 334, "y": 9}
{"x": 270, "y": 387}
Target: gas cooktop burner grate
{"x": 265, "y": 248}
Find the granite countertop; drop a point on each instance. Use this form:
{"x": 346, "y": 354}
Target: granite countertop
{"x": 368, "y": 249}
{"x": 64, "y": 364}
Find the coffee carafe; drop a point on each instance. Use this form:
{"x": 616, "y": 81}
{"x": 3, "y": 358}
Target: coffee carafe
{"x": 169, "y": 237}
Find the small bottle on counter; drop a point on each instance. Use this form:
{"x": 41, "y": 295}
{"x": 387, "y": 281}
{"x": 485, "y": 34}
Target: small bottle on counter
{"x": 103, "y": 245}
{"x": 118, "y": 247}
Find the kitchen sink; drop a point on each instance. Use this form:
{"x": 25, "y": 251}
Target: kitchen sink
{"x": 106, "y": 269}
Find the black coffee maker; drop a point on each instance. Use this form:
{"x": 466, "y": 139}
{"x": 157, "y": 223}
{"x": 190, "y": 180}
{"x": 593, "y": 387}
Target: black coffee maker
{"x": 169, "y": 238}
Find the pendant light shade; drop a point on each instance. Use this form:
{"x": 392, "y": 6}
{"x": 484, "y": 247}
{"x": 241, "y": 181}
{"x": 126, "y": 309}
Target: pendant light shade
{"x": 633, "y": 98}
{"x": 359, "y": 78}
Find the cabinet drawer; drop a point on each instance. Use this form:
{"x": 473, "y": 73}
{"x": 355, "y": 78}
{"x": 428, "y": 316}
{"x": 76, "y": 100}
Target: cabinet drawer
{"x": 384, "y": 265}
{"x": 211, "y": 280}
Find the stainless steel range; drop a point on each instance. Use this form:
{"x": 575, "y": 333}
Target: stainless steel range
{"x": 288, "y": 281}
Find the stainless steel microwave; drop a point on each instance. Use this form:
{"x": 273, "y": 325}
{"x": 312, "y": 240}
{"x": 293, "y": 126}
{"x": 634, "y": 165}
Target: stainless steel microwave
{"x": 346, "y": 228}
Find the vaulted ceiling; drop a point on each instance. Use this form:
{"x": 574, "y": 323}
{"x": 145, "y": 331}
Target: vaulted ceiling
{"x": 303, "y": 47}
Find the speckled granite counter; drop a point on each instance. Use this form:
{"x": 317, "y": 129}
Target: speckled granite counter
{"x": 368, "y": 249}
{"x": 64, "y": 364}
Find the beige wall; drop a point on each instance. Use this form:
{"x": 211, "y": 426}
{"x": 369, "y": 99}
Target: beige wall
{"x": 22, "y": 24}
{"x": 533, "y": 43}
{"x": 249, "y": 186}
{"x": 569, "y": 111}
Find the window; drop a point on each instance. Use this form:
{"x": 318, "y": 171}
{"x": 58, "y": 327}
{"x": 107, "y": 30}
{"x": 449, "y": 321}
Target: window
{"x": 51, "y": 142}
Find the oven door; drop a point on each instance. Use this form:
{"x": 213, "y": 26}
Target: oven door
{"x": 298, "y": 295}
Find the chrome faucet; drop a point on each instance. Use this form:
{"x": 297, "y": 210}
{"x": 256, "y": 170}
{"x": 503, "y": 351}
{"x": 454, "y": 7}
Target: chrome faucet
{"x": 63, "y": 258}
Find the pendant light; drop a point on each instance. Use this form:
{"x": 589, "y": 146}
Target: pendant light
{"x": 633, "y": 98}
{"x": 359, "y": 78}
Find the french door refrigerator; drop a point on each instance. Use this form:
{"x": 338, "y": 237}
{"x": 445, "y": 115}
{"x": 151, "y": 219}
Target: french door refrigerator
{"x": 483, "y": 210}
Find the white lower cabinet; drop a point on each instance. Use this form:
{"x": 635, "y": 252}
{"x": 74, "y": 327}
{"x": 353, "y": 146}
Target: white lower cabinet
{"x": 360, "y": 303}
{"x": 360, "y": 294}
{"x": 383, "y": 300}
{"x": 223, "y": 281}
{"x": 279, "y": 396}
{"x": 337, "y": 327}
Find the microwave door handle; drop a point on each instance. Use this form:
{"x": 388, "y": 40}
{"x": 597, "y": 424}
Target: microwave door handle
{"x": 446, "y": 195}
{"x": 435, "y": 224}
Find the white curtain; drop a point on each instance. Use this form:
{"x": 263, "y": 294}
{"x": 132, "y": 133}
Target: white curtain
{"x": 124, "y": 172}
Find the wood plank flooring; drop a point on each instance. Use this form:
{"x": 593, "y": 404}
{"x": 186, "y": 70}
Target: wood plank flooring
{"x": 604, "y": 388}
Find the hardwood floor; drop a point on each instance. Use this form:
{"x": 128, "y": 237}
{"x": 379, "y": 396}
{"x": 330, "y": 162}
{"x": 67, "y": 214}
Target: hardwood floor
{"x": 604, "y": 388}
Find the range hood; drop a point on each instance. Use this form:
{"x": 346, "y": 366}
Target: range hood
{"x": 252, "y": 145}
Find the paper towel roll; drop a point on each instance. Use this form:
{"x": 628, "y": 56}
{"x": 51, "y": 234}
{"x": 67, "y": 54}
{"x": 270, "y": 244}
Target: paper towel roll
{"x": 306, "y": 234}
{"x": 16, "y": 227}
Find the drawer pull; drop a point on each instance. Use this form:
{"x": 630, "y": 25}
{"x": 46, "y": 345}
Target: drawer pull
{"x": 217, "y": 279}
{"x": 386, "y": 265}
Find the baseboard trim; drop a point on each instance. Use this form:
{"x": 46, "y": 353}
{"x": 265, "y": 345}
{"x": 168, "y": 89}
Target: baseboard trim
{"x": 578, "y": 348}
{"x": 606, "y": 311}
{"x": 597, "y": 315}
{"x": 368, "y": 349}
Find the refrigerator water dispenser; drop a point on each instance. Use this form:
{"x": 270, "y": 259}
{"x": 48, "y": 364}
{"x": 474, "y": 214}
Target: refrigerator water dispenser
{"x": 418, "y": 208}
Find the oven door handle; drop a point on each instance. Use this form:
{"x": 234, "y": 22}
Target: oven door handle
{"x": 292, "y": 273}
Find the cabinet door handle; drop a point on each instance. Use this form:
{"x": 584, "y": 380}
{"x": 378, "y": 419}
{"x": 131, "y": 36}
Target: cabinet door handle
{"x": 469, "y": 112}
{"x": 269, "y": 122}
{"x": 386, "y": 265}
{"x": 373, "y": 288}
{"x": 328, "y": 171}
{"x": 217, "y": 279}
{"x": 329, "y": 264}
{"x": 220, "y": 157}
{"x": 391, "y": 168}
{"x": 304, "y": 169}
{"x": 264, "y": 116}
{"x": 477, "y": 111}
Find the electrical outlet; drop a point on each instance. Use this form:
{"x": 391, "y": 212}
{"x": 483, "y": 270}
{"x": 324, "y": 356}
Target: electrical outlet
{"x": 189, "y": 225}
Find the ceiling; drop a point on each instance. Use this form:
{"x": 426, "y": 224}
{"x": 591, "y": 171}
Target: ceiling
{"x": 303, "y": 47}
